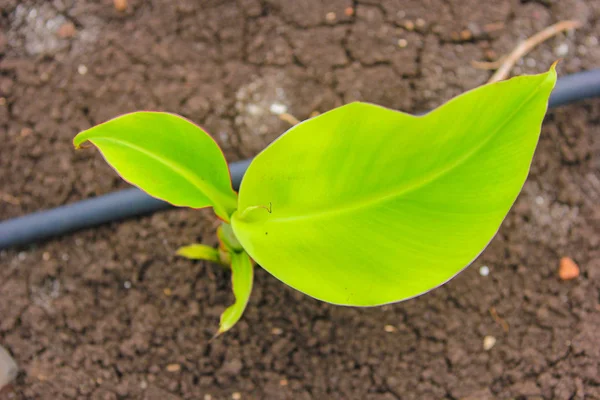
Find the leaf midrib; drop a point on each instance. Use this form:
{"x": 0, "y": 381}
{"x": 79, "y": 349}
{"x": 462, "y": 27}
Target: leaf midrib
{"x": 416, "y": 185}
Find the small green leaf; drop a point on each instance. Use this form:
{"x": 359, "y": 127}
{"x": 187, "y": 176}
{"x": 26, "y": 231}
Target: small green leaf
{"x": 365, "y": 206}
{"x": 199, "y": 252}
{"x": 168, "y": 157}
{"x": 242, "y": 275}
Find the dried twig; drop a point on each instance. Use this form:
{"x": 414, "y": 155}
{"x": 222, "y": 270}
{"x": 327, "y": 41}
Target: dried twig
{"x": 499, "y": 320}
{"x": 10, "y": 199}
{"x": 505, "y": 64}
{"x": 289, "y": 118}
{"x": 488, "y": 64}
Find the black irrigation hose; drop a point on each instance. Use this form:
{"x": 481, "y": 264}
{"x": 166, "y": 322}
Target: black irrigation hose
{"x": 133, "y": 202}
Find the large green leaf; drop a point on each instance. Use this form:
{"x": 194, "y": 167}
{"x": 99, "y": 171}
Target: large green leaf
{"x": 168, "y": 157}
{"x": 366, "y": 206}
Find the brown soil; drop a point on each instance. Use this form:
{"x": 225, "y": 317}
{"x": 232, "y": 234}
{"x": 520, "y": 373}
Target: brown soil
{"x": 86, "y": 315}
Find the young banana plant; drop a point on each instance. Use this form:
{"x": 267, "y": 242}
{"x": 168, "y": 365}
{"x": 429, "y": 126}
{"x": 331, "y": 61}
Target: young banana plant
{"x": 359, "y": 206}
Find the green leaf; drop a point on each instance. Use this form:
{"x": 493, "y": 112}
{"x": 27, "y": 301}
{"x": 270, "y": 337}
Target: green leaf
{"x": 199, "y": 252}
{"x": 242, "y": 275}
{"x": 168, "y": 157}
{"x": 367, "y": 206}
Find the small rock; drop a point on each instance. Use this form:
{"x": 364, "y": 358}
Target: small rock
{"x": 389, "y": 328}
{"x": 349, "y": 11}
{"x": 409, "y": 25}
{"x": 484, "y": 270}
{"x": 561, "y": 50}
{"x": 330, "y": 16}
{"x": 466, "y": 35}
{"x": 276, "y": 331}
{"x": 173, "y": 367}
{"x": 8, "y": 368}
{"x": 278, "y": 108}
{"x": 167, "y": 292}
{"x": 66, "y": 30}
{"x": 402, "y": 43}
{"x": 82, "y": 69}
{"x": 488, "y": 342}
{"x": 283, "y": 382}
{"x": 568, "y": 269}
{"x": 236, "y": 395}
{"x": 120, "y": 5}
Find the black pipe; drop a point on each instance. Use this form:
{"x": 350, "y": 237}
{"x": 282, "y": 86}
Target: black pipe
{"x": 133, "y": 202}
{"x": 87, "y": 213}
{"x": 575, "y": 87}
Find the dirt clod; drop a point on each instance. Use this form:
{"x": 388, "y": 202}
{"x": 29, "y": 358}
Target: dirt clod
{"x": 66, "y": 30}
{"x": 8, "y": 368}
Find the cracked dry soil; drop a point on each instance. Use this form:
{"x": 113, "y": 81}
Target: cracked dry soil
{"x": 110, "y": 313}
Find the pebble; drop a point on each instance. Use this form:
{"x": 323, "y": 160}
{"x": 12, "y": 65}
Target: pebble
{"x": 143, "y": 385}
{"x": 561, "y": 50}
{"x": 127, "y": 285}
{"x": 402, "y": 43}
{"x": 488, "y": 342}
{"x": 283, "y": 382}
{"x": 82, "y": 69}
{"x": 484, "y": 270}
{"x": 2, "y": 101}
{"x": 349, "y": 11}
{"x": 8, "y": 368}
{"x": 409, "y": 25}
{"x": 236, "y": 396}
{"x": 466, "y": 35}
{"x": 167, "y": 292}
{"x": 539, "y": 200}
{"x": 330, "y": 16}
{"x": 173, "y": 367}
{"x": 568, "y": 269}
{"x": 278, "y": 108}
{"x": 120, "y": 5}
{"x": 66, "y": 30}
{"x": 207, "y": 397}
{"x": 591, "y": 41}
{"x": 276, "y": 331}
{"x": 530, "y": 62}
{"x": 389, "y": 328}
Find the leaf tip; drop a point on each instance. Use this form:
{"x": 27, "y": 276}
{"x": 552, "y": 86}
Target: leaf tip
{"x": 216, "y": 335}
{"x": 79, "y": 141}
